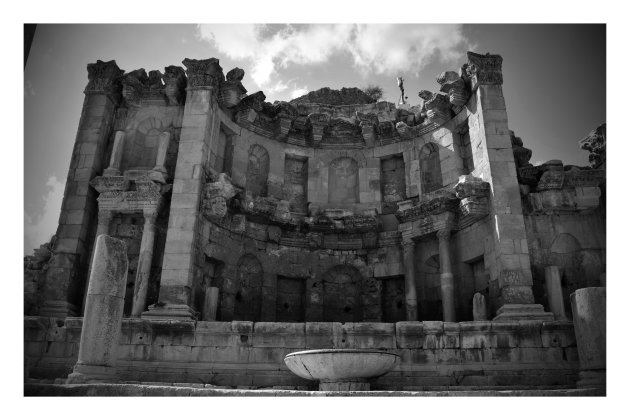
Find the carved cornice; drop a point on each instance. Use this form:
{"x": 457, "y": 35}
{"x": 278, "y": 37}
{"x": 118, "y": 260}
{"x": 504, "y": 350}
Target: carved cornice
{"x": 104, "y": 79}
{"x": 204, "y": 74}
{"x": 484, "y": 69}
{"x": 116, "y": 196}
{"x": 453, "y": 85}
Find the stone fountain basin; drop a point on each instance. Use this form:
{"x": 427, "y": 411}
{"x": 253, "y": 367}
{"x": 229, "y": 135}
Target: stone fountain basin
{"x": 338, "y": 365}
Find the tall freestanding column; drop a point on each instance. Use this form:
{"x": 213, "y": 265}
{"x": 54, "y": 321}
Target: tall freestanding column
{"x": 507, "y": 255}
{"x": 103, "y": 313}
{"x": 447, "y": 281}
{"x": 411, "y": 299}
{"x": 68, "y": 268}
{"x": 144, "y": 263}
{"x": 200, "y": 127}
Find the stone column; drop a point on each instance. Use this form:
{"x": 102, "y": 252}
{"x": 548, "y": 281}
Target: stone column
{"x": 159, "y": 173}
{"x": 411, "y": 299}
{"x": 447, "y": 281}
{"x": 200, "y": 128}
{"x": 554, "y": 292}
{"x": 480, "y": 312}
{"x": 589, "y": 321}
{"x": 103, "y": 313}
{"x": 67, "y": 271}
{"x": 210, "y": 304}
{"x": 143, "y": 274}
{"x": 116, "y": 158}
{"x": 508, "y": 253}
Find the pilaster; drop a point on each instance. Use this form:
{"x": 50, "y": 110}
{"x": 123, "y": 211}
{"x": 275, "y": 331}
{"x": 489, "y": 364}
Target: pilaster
{"x": 200, "y": 127}
{"x": 67, "y": 273}
{"x": 411, "y": 299}
{"x": 507, "y": 253}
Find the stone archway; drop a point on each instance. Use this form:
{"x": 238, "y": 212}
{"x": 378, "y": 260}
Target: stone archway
{"x": 343, "y": 291}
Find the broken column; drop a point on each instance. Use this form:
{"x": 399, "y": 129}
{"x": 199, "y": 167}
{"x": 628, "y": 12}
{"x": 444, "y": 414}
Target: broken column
{"x": 480, "y": 313}
{"x": 103, "y": 313}
{"x": 554, "y": 292}
{"x": 447, "y": 281}
{"x": 589, "y": 321}
{"x": 411, "y": 299}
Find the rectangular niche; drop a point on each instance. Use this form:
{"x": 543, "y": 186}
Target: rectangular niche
{"x": 393, "y": 299}
{"x": 295, "y": 182}
{"x": 290, "y": 299}
{"x": 392, "y": 182}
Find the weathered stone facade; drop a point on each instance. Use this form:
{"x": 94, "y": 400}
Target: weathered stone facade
{"x": 272, "y": 224}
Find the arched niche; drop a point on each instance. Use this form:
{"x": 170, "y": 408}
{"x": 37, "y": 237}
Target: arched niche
{"x": 430, "y": 169}
{"x": 257, "y": 171}
{"x": 248, "y": 292}
{"x": 141, "y": 144}
{"x": 343, "y": 289}
{"x": 343, "y": 181}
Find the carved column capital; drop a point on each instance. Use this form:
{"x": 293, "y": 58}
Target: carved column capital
{"x": 444, "y": 234}
{"x": 204, "y": 74}
{"x": 105, "y": 217}
{"x": 484, "y": 69}
{"x": 104, "y": 79}
{"x": 150, "y": 216}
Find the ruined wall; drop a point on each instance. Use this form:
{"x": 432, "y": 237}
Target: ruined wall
{"x": 574, "y": 242}
{"x": 239, "y": 353}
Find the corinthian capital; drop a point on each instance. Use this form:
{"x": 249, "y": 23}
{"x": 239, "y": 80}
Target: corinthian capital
{"x": 175, "y": 81}
{"x": 484, "y": 69}
{"x": 204, "y": 73}
{"x": 444, "y": 233}
{"x": 104, "y": 78}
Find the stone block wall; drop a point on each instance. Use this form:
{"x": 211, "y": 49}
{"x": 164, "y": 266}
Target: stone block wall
{"x": 433, "y": 354}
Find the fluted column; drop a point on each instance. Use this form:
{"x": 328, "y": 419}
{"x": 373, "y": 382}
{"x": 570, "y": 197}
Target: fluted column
{"x": 447, "y": 283}
{"x": 116, "y": 158}
{"x": 411, "y": 299}
{"x": 144, "y": 263}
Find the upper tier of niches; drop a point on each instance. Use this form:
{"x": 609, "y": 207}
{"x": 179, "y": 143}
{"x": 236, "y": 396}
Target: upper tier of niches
{"x": 346, "y": 118}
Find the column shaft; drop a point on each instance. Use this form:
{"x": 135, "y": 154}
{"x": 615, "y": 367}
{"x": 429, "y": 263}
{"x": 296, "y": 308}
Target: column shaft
{"x": 411, "y": 299}
{"x": 447, "y": 283}
{"x": 116, "y": 158}
{"x": 145, "y": 259}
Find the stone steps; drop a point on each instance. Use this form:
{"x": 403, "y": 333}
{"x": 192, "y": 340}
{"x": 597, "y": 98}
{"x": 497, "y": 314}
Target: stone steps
{"x": 190, "y": 390}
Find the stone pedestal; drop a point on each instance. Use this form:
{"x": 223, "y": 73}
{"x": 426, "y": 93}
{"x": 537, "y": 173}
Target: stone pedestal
{"x": 103, "y": 313}
{"x": 554, "y": 292}
{"x": 145, "y": 259}
{"x": 350, "y": 385}
{"x": 210, "y": 304}
{"x": 411, "y": 299}
{"x": 589, "y": 321}
{"x": 447, "y": 281}
{"x": 480, "y": 313}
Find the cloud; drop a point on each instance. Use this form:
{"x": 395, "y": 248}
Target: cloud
{"x": 39, "y": 229}
{"x": 379, "y": 48}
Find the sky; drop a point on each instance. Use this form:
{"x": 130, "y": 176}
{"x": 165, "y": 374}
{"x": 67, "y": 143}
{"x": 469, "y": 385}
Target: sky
{"x": 554, "y": 79}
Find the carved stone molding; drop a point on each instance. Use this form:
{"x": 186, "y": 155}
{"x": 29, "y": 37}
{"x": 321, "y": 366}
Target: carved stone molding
{"x": 484, "y": 69}
{"x": 232, "y": 90}
{"x": 104, "y": 79}
{"x": 453, "y": 85}
{"x": 204, "y": 74}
